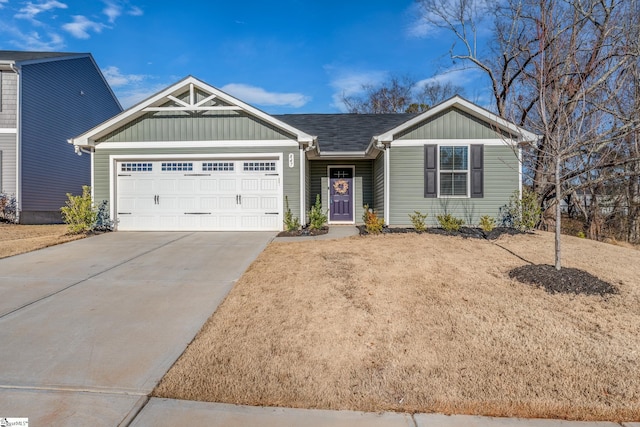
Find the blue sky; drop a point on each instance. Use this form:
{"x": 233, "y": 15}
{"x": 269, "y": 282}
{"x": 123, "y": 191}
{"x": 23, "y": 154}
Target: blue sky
{"x": 285, "y": 56}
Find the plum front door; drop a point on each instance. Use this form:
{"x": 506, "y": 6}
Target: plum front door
{"x": 340, "y": 194}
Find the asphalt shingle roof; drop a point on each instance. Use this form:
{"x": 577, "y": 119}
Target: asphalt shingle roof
{"x": 19, "y": 55}
{"x": 344, "y": 132}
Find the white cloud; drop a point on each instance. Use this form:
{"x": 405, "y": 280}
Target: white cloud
{"x": 32, "y": 40}
{"x": 349, "y": 83}
{"x": 112, "y": 10}
{"x": 115, "y": 78}
{"x": 259, "y": 96}
{"x": 130, "y": 96}
{"x": 81, "y": 26}
{"x": 135, "y": 11}
{"x": 3, "y": 2}
{"x": 426, "y": 23}
{"x": 31, "y": 10}
{"x": 455, "y": 76}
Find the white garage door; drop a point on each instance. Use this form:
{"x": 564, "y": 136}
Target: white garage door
{"x": 215, "y": 195}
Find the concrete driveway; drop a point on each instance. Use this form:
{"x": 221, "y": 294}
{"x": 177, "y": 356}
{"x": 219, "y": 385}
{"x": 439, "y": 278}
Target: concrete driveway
{"x": 88, "y": 328}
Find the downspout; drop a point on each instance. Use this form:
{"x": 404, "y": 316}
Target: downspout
{"x": 16, "y": 69}
{"x": 303, "y": 181}
{"x": 387, "y": 186}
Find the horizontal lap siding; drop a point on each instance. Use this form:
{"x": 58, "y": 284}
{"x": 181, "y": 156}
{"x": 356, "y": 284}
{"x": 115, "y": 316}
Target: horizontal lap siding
{"x": 407, "y": 187}
{"x": 8, "y": 166}
{"x": 9, "y": 97}
{"x": 60, "y": 100}
{"x": 364, "y": 185}
{"x": 291, "y": 178}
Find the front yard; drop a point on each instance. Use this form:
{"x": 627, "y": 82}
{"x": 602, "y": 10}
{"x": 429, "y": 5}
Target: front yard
{"x": 17, "y": 239}
{"x": 422, "y": 323}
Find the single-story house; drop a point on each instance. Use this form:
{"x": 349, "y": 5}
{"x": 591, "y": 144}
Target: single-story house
{"x": 45, "y": 99}
{"x": 192, "y": 157}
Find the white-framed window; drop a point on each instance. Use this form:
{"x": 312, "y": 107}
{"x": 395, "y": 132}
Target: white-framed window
{"x": 136, "y": 167}
{"x": 453, "y": 170}
{"x": 259, "y": 166}
{"x": 218, "y": 166}
{"x": 177, "y": 166}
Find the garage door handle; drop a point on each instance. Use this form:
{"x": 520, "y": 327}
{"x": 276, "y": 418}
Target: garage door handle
{"x": 124, "y": 213}
{"x": 272, "y": 213}
{"x": 238, "y": 199}
{"x": 271, "y": 174}
{"x": 197, "y": 213}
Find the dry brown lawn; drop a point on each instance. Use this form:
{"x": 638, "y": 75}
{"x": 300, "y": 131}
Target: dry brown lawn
{"x": 422, "y": 323}
{"x": 17, "y": 239}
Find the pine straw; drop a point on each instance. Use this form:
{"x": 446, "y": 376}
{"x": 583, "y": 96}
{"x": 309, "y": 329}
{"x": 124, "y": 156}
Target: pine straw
{"x": 422, "y": 323}
{"x": 17, "y": 239}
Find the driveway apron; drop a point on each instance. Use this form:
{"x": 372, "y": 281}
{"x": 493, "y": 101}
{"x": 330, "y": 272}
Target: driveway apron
{"x": 88, "y": 328}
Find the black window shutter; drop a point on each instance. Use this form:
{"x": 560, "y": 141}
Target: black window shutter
{"x": 477, "y": 171}
{"x": 430, "y": 171}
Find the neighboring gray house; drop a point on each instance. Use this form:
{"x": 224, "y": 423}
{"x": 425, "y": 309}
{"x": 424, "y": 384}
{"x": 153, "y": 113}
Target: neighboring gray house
{"x": 195, "y": 158}
{"x": 46, "y": 98}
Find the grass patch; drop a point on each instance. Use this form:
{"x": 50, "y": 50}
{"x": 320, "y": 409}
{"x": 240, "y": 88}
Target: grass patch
{"x": 18, "y": 239}
{"x": 422, "y": 323}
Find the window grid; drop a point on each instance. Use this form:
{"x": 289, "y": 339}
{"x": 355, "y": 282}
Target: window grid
{"x": 259, "y": 166}
{"x": 177, "y": 166}
{"x": 136, "y": 167}
{"x": 218, "y": 167}
{"x": 454, "y": 167}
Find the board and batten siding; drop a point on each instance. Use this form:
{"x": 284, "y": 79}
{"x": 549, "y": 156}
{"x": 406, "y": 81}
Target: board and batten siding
{"x": 378, "y": 184}
{"x": 8, "y": 99}
{"x": 501, "y": 179}
{"x": 291, "y": 176}
{"x": 8, "y": 163}
{"x": 60, "y": 100}
{"x": 208, "y": 126}
{"x": 451, "y": 123}
{"x": 363, "y": 179}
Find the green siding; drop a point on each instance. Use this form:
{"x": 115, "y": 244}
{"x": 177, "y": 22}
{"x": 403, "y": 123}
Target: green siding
{"x": 307, "y": 187}
{"x": 206, "y": 126}
{"x": 319, "y": 183}
{"x": 378, "y": 184}
{"x": 291, "y": 178}
{"x": 407, "y": 187}
{"x": 451, "y": 124}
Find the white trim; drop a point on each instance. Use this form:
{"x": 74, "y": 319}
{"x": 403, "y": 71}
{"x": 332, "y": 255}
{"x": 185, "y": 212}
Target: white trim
{"x": 454, "y": 142}
{"x": 198, "y": 144}
{"x": 303, "y": 193}
{"x": 353, "y": 192}
{"x": 93, "y": 186}
{"x": 8, "y": 130}
{"x": 468, "y": 171}
{"x": 18, "y": 71}
{"x": 115, "y": 158}
{"x": 520, "y": 171}
{"x": 387, "y": 185}
{"x": 88, "y": 138}
{"x": 467, "y": 107}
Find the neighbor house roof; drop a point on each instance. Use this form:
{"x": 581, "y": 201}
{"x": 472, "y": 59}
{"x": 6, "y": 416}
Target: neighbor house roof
{"x": 19, "y": 56}
{"x": 344, "y": 132}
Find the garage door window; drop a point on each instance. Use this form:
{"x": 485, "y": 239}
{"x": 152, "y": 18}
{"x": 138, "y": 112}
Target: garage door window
{"x": 218, "y": 167}
{"x": 136, "y": 167}
{"x": 177, "y": 167}
{"x": 259, "y": 166}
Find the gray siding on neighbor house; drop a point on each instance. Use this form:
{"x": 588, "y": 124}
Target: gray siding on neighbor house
{"x": 501, "y": 179}
{"x": 60, "y": 100}
{"x": 207, "y": 126}
{"x": 363, "y": 182}
{"x": 378, "y": 184}
{"x": 8, "y": 98}
{"x": 307, "y": 188}
{"x": 8, "y": 163}
{"x": 451, "y": 124}
{"x": 291, "y": 178}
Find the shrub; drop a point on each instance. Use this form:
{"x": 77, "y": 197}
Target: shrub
{"x": 487, "y": 223}
{"x": 449, "y": 222}
{"x": 372, "y": 223}
{"x": 418, "y": 220}
{"x": 79, "y": 214}
{"x": 8, "y": 208}
{"x": 317, "y": 217}
{"x": 103, "y": 219}
{"x": 522, "y": 213}
{"x": 291, "y": 223}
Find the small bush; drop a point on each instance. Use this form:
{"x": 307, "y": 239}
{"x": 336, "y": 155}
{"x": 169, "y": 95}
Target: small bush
{"x": 317, "y": 217}
{"x": 418, "y": 220}
{"x": 372, "y": 223}
{"x": 8, "y": 208}
{"x": 487, "y": 223}
{"x": 581, "y": 235}
{"x": 522, "y": 213}
{"x": 449, "y": 222}
{"x": 79, "y": 214}
{"x": 103, "y": 219}
{"x": 291, "y": 223}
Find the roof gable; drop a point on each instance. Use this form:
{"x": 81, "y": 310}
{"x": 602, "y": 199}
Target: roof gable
{"x": 189, "y": 98}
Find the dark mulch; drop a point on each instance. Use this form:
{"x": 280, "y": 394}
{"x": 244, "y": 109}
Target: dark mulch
{"x": 565, "y": 281}
{"x": 304, "y": 232}
{"x": 465, "y": 232}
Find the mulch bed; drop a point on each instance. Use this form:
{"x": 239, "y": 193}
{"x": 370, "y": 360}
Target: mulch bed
{"x": 304, "y": 232}
{"x": 465, "y": 232}
{"x": 565, "y": 281}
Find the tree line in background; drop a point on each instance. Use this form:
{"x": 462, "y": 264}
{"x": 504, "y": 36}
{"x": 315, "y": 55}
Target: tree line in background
{"x": 569, "y": 71}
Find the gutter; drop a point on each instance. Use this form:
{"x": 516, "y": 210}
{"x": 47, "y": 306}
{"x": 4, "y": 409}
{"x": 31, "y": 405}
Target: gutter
{"x": 16, "y": 69}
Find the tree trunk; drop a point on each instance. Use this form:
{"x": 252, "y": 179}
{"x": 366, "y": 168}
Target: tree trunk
{"x": 558, "y": 213}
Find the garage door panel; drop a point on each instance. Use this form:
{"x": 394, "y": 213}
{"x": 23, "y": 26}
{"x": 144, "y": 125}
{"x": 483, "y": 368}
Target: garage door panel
{"x": 209, "y": 185}
{"x": 269, "y": 184}
{"x": 250, "y": 202}
{"x": 250, "y": 184}
{"x": 208, "y": 203}
{"x": 269, "y": 203}
{"x": 228, "y": 184}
